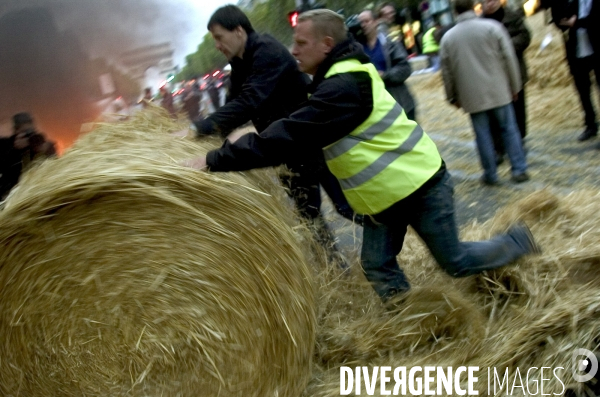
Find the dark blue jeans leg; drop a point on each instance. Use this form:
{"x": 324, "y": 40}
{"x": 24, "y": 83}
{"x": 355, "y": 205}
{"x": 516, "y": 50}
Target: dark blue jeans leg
{"x": 485, "y": 145}
{"x": 381, "y": 244}
{"x": 511, "y": 137}
{"x": 434, "y": 221}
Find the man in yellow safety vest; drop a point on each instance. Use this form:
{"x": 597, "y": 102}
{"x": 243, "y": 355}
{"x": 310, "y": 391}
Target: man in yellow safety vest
{"x": 388, "y": 167}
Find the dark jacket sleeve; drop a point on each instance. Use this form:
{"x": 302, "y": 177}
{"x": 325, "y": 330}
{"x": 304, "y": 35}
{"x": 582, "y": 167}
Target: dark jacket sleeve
{"x": 590, "y": 22}
{"x": 267, "y": 69}
{"x": 519, "y": 34}
{"x": 400, "y": 69}
{"x": 339, "y": 105}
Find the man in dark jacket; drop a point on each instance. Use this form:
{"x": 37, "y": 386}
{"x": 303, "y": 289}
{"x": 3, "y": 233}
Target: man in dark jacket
{"x": 514, "y": 22}
{"x": 580, "y": 22}
{"x": 388, "y": 167}
{"x": 390, "y": 59}
{"x": 266, "y": 86}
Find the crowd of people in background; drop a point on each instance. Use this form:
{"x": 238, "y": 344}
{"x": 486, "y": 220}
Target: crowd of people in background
{"x": 195, "y": 98}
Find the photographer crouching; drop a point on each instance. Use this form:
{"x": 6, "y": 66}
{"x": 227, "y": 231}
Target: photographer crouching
{"x": 19, "y": 150}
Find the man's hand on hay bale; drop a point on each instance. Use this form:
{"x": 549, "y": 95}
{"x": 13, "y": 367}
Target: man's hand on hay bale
{"x": 198, "y": 163}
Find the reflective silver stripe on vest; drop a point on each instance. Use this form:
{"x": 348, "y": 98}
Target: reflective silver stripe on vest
{"x": 349, "y": 141}
{"x": 383, "y": 161}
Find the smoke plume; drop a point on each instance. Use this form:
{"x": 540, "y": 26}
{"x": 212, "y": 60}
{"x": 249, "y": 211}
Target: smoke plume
{"x": 46, "y": 47}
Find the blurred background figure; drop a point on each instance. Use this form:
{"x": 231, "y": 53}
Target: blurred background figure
{"x": 19, "y": 150}
{"x": 167, "y": 101}
{"x": 213, "y": 93}
{"x": 431, "y": 46}
{"x": 390, "y": 60}
{"x": 191, "y": 101}
{"x": 481, "y": 75}
{"x": 580, "y": 22}
{"x": 147, "y": 98}
{"x": 388, "y": 24}
{"x": 514, "y": 22}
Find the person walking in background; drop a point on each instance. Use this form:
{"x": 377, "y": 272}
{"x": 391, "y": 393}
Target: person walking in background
{"x": 390, "y": 60}
{"x": 514, "y": 22}
{"x": 481, "y": 76}
{"x": 580, "y": 22}
{"x": 389, "y": 168}
{"x": 213, "y": 93}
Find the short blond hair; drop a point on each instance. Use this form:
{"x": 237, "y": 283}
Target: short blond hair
{"x": 326, "y": 23}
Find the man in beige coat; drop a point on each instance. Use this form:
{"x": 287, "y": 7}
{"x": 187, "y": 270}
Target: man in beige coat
{"x": 481, "y": 75}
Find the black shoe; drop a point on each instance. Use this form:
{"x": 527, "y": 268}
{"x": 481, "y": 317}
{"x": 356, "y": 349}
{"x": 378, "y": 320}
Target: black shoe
{"x": 520, "y": 178}
{"x": 588, "y": 133}
{"x": 521, "y": 234}
{"x": 489, "y": 182}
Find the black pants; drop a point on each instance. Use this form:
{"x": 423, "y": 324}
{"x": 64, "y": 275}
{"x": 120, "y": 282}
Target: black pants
{"x": 520, "y": 116}
{"x": 303, "y": 183}
{"x": 303, "y": 187}
{"x": 580, "y": 70}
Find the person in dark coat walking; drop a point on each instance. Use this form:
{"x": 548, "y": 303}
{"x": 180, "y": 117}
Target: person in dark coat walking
{"x": 580, "y": 22}
{"x": 514, "y": 22}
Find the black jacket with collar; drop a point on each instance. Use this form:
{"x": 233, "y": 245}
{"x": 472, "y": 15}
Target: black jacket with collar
{"x": 336, "y": 107}
{"x": 397, "y": 72}
{"x": 567, "y": 8}
{"x": 266, "y": 86}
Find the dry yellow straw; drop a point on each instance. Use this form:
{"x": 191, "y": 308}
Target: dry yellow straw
{"x": 124, "y": 273}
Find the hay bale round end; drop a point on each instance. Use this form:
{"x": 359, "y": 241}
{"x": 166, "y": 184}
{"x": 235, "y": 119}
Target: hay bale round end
{"x": 135, "y": 277}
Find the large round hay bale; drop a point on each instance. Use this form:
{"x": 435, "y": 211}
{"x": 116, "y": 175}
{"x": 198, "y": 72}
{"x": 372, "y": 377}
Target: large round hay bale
{"x": 122, "y": 273}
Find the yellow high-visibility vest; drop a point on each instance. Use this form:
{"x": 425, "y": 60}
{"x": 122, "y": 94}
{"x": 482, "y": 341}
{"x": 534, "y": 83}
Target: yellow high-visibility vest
{"x": 429, "y": 44}
{"x": 384, "y": 159}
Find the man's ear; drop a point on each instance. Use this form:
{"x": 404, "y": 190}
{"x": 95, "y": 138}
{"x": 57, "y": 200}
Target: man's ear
{"x": 329, "y": 43}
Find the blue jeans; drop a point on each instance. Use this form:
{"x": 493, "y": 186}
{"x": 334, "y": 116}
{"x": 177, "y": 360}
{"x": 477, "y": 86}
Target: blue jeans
{"x": 504, "y": 117}
{"x": 430, "y": 211}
